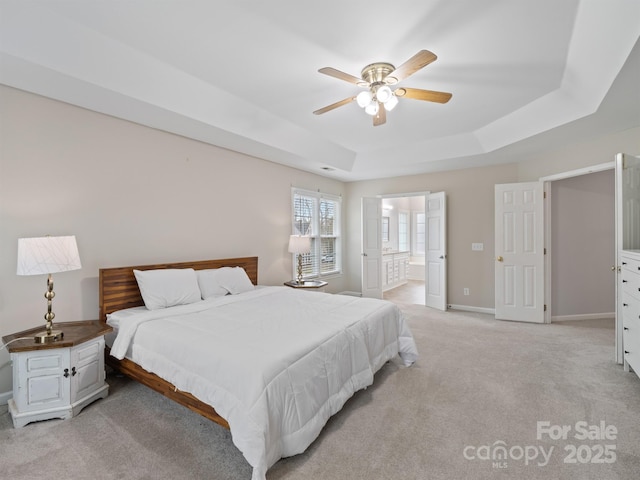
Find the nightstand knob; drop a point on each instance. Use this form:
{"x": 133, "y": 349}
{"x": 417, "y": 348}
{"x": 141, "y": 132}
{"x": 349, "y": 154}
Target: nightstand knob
{"x": 66, "y": 373}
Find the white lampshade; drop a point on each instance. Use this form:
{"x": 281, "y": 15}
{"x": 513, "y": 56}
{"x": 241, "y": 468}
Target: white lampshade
{"x": 383, "y": 94}
{"x": 372, "y": 108}
{"x": 364, "y": 98}
{"x": 391, "y": 103}
{"x": 299, "y": 244}
{"x": 41, "y": 255}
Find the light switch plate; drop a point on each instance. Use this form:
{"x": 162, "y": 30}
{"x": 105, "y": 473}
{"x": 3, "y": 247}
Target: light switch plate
{"x": 477, "y": 247}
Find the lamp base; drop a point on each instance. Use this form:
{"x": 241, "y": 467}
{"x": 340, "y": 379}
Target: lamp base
{"x": 44, "y": 337}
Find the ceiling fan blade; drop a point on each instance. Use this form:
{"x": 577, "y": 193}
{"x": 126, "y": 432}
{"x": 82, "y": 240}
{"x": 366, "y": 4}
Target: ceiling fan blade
{"x": 427, "y": 95}
{"x": 332, "y": 72}
{"x": 411, "y": 66}
{"x": 380, "y": 118}
{"x": 334, "y": 105}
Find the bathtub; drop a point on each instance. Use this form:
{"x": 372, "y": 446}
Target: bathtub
{"x": 416, "y": 268}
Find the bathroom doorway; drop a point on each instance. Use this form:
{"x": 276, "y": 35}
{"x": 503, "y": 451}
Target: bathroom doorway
{"x": 403, "y": 249}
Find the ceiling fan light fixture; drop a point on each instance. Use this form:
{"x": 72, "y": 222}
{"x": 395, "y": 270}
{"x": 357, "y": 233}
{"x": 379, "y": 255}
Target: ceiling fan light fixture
{"x": 372, "y": 108}
{"x": 391, "y": 103}
{"x": 384, "y": 94}
{"x": 364, "y": 99}
{"x": 379, "y": 80}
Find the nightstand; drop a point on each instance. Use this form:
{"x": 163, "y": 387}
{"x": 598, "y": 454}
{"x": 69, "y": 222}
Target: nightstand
{"x": 58, "y": 379}
{"x": 317, "y": 285}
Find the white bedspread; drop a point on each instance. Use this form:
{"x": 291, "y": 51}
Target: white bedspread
{"x": 275, "y": 362}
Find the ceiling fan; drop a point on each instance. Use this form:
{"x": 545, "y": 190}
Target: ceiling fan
{"x": 377, "y": 78}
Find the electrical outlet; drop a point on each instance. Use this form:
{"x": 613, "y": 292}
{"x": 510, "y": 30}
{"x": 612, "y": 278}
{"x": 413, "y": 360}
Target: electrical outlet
{"x": 466, "y": 291}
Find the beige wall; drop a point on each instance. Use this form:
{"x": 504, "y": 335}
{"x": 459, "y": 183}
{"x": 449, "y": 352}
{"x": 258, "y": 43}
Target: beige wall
{"x": 131, "y": 195}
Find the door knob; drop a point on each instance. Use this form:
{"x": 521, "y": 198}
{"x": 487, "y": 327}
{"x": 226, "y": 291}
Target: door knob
{"x": 499, "y": 258}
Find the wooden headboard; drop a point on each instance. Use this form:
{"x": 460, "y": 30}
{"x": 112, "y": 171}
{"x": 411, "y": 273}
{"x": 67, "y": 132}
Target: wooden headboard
{"x": 119, "y": 289}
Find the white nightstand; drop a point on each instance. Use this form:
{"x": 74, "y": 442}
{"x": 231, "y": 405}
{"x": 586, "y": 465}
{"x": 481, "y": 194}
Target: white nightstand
{"x": 58, "y": 379}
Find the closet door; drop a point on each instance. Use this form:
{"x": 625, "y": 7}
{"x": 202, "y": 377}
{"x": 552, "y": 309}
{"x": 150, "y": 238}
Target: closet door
{"x": 519, "y": 250}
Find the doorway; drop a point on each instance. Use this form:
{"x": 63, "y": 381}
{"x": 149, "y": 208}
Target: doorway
{"x": 582, "y": 242}
{"x": 403, "y": 249}
{"x": 582, "y": 223}
{"x": 579, "y": 226}
{"x": 410, "y": 233}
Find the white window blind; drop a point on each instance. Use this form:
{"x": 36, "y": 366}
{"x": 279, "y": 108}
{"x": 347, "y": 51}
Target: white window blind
{"x": 318, "y": 215}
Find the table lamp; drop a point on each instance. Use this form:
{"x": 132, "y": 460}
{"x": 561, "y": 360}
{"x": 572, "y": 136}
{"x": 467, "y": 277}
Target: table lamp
{"x": 299, "y": 244}
{"x": 47, "y": 255}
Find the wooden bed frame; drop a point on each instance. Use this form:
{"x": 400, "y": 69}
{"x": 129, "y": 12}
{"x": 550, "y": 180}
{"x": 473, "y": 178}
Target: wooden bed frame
{"x": 119, "y": 290}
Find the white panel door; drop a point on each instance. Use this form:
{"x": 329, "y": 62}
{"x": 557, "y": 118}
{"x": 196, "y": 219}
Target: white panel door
{"x": 372, "y": 247}
{"x": 519, "y": 250}
{"x": 436, "y": 251}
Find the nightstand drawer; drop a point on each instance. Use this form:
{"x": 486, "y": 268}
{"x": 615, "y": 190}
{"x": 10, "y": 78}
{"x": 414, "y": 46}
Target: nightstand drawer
{"x": 44, "y": 363}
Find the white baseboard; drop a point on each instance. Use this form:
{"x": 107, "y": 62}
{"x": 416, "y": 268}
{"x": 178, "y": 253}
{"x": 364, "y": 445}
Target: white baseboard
{"x": 557, "y": 318}
{"x": 469, "y": 308}
{"x": 5, "y": 397}
{"x": 350, "y": 293}
{"x": 582, "y": 316}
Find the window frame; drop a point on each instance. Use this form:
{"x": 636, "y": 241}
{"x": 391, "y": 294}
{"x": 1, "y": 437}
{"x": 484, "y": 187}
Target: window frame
{"x": 316, "y": 234}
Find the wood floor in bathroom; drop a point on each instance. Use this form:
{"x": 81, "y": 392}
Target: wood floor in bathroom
{"x": 412, "y": 293}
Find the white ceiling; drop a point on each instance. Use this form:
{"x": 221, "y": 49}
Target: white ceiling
{"x": 243, "y": 74}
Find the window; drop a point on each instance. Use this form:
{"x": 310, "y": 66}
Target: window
{"x": 419, "y": 239}
{"x": 403, "y": 231}
{"x": 385, "y": 229}
{"x": 318, "y": 215}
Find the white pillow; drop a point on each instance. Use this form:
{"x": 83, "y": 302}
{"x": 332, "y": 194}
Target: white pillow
{"x": 209, "y": 282}
{"x": 236, "y": 280}
{"x": 168, "y": 287}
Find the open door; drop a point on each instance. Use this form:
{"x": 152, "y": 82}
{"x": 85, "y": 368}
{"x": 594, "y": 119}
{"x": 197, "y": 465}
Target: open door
{"x": 627, "y": 172}
{"x": 519, "y": 250}
{"x": 372, "y": 247}
{"x": 436, "y": 251}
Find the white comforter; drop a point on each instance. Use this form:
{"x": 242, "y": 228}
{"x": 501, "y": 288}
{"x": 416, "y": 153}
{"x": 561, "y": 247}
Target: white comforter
{"x": 275, "y": 362}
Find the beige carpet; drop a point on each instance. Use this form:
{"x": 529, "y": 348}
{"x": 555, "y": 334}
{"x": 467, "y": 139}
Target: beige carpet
{"x": 479, "y": 384}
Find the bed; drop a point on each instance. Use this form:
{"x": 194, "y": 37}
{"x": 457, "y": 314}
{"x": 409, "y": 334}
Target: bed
{"x": 270, "y": 363}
